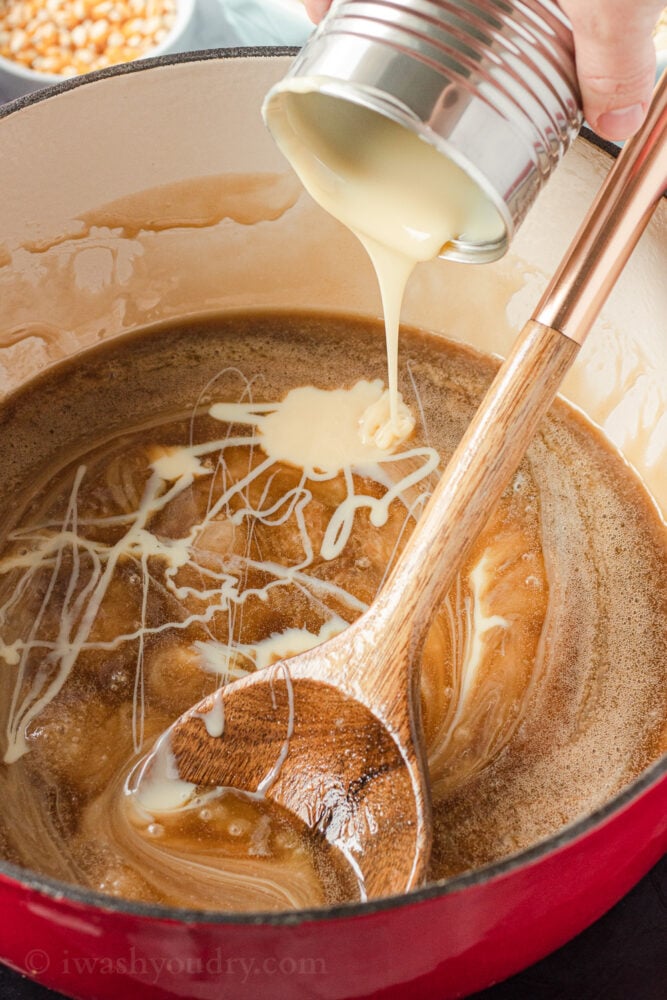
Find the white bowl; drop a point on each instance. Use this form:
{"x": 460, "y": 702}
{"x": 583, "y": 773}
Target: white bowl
{"x": 241, "y": 23}
{"x": 16, "y": 80}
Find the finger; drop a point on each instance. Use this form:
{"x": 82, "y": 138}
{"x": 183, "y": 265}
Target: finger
{"x": 316, "y": 9}
{"x": 615, "y": 61}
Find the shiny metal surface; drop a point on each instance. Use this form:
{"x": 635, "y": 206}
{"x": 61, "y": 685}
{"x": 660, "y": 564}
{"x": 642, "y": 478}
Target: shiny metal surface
{"x": 491, "y": 83}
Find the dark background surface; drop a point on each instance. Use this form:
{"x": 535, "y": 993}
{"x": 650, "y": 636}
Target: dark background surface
{"x": 621, "y": 957}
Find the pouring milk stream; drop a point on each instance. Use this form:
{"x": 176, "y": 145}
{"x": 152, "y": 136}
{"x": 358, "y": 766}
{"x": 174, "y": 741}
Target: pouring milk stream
{"x": 401, "y": 197}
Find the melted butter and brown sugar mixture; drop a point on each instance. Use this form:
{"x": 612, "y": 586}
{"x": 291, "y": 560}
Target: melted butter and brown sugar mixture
{"x": 195, "y": 503}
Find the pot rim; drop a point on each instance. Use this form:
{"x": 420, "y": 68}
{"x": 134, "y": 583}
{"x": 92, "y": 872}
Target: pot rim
{"x": 578, "y": 829}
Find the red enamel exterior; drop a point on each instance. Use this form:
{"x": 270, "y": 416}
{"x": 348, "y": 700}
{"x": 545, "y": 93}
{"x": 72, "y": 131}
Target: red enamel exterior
{"x": 440, "y": 944}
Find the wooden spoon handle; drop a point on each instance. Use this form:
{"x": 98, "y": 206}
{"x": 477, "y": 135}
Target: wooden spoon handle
{"x": 478, "y": 472}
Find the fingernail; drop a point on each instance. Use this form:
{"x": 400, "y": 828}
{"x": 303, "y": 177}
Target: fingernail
{"x": 316, "y": 9}
{"x": 620, "y": 123}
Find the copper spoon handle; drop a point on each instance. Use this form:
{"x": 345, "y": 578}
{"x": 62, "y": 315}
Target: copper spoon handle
{"x": 521, "y": 393}
{"x": 611, "y": 229}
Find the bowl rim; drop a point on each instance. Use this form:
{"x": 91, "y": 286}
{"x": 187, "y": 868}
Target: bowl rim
{"x": 60, "y": 891}
{"x": 184, "y": 12}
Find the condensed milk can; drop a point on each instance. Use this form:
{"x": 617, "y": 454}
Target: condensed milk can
{"x": 491, "y": 84}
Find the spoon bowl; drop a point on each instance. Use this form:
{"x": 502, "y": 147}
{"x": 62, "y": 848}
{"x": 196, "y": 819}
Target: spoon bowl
{"x": 298, "y": 740}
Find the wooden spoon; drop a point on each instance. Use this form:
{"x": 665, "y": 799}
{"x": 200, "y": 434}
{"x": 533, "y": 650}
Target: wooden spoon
{"x": 334, "y": 733}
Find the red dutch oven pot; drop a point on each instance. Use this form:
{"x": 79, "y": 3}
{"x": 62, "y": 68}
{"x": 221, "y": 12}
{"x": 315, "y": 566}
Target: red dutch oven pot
{"x": 68, "y": 151}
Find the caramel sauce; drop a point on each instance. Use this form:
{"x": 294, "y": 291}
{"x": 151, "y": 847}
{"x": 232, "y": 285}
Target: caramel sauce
{"x": 170, "y": 527}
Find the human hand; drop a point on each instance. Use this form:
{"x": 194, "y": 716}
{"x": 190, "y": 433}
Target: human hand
{"x": 615, "y": 58}
{"x": 615, "y": 61}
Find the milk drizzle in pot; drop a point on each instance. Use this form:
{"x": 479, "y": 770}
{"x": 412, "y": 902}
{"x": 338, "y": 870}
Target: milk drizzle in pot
{"x": 332, "y": 443}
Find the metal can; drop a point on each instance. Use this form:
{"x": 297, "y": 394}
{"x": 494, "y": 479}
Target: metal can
{"x": 490, "y": 83}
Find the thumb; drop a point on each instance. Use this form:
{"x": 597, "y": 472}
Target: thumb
{"x": 316, "y": 9}
{"x": 615, "y": 61}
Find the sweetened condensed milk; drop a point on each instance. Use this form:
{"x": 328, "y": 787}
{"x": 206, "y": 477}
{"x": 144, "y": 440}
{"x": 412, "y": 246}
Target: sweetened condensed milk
{"x": 401, "y": 197}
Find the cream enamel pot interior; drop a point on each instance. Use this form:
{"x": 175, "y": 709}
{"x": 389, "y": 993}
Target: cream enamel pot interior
{"x": 71, "y": 275}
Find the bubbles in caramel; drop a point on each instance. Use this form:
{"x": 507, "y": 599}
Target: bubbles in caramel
{"x": 196, "y": 502}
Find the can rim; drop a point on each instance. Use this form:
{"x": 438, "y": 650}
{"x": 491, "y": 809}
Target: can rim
{"x": 376, "y": 100}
